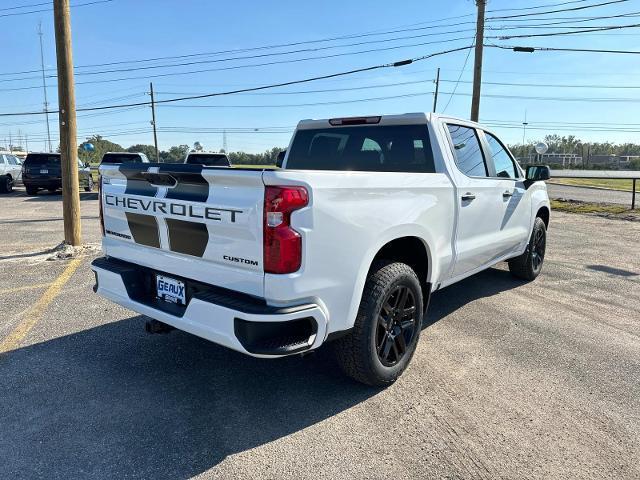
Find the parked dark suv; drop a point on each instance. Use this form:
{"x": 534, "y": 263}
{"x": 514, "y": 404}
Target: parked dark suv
{"x": 43, "y": 171}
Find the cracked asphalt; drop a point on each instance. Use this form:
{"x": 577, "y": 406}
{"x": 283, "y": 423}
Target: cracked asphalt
{"x": 510, "y": 379}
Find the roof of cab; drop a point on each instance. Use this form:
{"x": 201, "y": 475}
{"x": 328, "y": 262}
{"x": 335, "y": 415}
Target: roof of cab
{"x": 401, "y": 119}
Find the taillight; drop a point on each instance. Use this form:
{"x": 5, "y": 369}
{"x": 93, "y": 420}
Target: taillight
{"x": 282, "y": 244}
{"x": 100, "y": 203}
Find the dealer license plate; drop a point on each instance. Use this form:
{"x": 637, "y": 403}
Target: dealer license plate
{"x": 170, "y": 290}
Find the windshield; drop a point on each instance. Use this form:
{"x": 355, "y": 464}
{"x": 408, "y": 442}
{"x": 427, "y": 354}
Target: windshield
{"x": 120, "y": 158}
{"x": 42, "y": 159}
{"x": 396, "y": 148}
{"x": 209, "y": 160}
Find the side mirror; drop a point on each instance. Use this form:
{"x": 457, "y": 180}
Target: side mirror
{"x": 280, "y": 158}
{"x": 536, "y": 173}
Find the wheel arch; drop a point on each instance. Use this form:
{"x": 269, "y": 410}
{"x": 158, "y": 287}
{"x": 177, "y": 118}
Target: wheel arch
{"x": 410, "y": 250}
{"x": 544, "y": 212}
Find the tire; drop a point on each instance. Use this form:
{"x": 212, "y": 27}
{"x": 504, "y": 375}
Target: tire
{"x": 372, "y": 351}
{"x": 6, "y": 184}
{"x": 529, "y": 265}
{"x": 89, "y": 187}
{"x": 32, "y": 190}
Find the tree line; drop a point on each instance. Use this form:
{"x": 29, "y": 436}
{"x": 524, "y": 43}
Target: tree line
{"x": 177, "y": 153}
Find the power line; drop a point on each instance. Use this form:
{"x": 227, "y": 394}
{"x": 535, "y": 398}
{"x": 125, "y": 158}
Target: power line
{"x": 464, "y": 66}
{"x": 572, "y": 9}
{"x": 312, "y": 104}
{"x": 574, "y": 32}
{"x": 559, "y": 99}
{"x": 228, "y": 59}
{"x": 547, "y": 85}
{"x": 51, "y": 9}
{"x": 538, "y": 6}
{"x": 268, "y": 47}
{"x": 262, "y": 87}
{"x": 556, "y": 49}
{"x": 25, "y": 6}
{"x": 237, "y": 67}
{"x": 322, "y": 90}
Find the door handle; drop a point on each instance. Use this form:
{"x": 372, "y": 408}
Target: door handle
{"x": 468, "y": 197}
{"x": 507, "y": 194}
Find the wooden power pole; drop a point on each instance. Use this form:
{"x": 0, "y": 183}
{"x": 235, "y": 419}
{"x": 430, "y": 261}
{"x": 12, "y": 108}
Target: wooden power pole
{"x": 67, "y": 123}
{"x": 435, "y": 96}
{"x": 153, "y": 122}
{"x": 477, "y": 66}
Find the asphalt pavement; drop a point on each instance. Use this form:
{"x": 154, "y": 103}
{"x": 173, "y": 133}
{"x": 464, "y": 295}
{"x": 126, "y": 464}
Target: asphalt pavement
{"x": 510, "y": 379}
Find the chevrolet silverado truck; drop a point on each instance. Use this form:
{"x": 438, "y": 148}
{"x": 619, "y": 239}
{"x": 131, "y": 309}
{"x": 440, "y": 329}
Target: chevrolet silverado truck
{"x": 345, "y": 243}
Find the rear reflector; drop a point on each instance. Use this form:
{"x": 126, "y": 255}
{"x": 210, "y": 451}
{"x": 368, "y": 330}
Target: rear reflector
{"x": 354, "y": 121}
{"x": 282, "y": 244}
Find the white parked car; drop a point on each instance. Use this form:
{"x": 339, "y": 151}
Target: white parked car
{"x": 346, "y": 243}
{"x": 10, "y": 172}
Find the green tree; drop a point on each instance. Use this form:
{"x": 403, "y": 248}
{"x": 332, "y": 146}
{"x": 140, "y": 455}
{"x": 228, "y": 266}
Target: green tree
{"x": 101, "y": 146}
{"x": 148, "y": 150}
{"x": 176, "y": 154}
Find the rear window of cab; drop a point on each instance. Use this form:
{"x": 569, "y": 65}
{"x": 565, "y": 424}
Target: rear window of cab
{"x": 121, "y": 158}
{"x": 393, "y": 148}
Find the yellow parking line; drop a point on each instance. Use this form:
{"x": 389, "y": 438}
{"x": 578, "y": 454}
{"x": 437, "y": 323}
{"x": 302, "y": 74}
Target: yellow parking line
{"x": 27, "y": 287}
{"x": 33, "y": 315}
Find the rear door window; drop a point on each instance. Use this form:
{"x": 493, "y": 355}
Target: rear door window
{"x": 393, "y": 148}
{"x": 467, "y": 151}
{"x": 502, "y": 161}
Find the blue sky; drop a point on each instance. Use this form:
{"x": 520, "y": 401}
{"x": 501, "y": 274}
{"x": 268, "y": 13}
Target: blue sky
{"x": 128, "y": 30}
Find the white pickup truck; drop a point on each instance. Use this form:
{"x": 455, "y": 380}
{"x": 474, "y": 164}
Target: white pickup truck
{"x": 346, "y": 242}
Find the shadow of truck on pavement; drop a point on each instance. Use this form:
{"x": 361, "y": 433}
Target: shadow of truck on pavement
{"x": 112, "y": 401}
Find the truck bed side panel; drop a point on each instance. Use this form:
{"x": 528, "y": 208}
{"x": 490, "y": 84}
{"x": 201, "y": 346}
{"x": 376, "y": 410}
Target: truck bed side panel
{"x": 350, "y": 216}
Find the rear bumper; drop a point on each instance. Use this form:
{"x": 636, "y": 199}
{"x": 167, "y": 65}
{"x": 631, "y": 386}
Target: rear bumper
{"x": 42, "y": 182}
{"x": 236, "y": 321}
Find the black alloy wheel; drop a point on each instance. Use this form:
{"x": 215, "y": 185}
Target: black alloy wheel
{"x": 396, "y": 325}
{"x": 538, "y": 248}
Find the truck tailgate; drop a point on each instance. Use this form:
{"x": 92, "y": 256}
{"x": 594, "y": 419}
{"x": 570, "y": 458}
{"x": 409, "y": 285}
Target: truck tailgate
{"x": 200, "y": 223}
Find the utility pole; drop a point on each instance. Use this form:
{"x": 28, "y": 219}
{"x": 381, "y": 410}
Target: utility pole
{"x": 435, "y": 96}
{"x": 67, "y": 123}
{"x": 26, "y": 143}
{"x": 10, "y": 142}
{"x": 477, "y": 66}
{"x": 153, "y": 122}
{"x": 224, "y": 141}
{"x": 44, "y": 87}
{"x": 524, "y": 127}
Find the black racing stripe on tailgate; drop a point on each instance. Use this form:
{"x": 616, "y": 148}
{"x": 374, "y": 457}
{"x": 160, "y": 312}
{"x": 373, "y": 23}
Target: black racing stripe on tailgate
{"x": 191, "y": 186}
{"x": 136, "y": 183}
{"x": 190, "y": 238}
{"x": 144, "y": 229}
